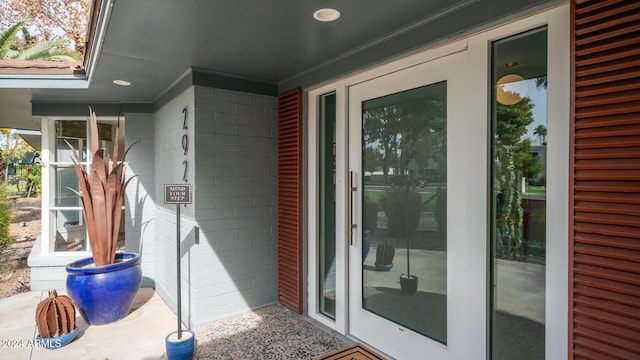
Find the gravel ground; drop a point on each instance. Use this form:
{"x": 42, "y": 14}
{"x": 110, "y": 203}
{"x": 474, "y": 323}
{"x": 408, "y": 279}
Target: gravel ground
{"x": 14, "y": 272}
{"x": 271, "y": 332}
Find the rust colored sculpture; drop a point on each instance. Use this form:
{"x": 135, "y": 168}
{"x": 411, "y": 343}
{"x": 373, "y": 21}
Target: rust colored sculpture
{"x": 55, "y": 316}
{"x": 102, "y": 194}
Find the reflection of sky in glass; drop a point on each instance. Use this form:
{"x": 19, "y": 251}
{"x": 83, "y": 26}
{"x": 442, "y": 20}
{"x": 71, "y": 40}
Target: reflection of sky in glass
{"x": 539, "y": 99}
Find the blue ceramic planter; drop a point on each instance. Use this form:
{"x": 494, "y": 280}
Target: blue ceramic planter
{"x": 180, "y": 349}
{"x": 366, "y": 244}
{"x": 104, "y": 294}
{"x": 56, "y": 342}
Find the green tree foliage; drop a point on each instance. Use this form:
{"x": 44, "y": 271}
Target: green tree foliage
{"x": 34, "y": 178}
{"x": 511, "y": 128}
{"x": 27, "y": 48}
{"x": 405, "y": 135}
{"x": 5, "y": 218}
{"x": 541, "y": 133}
{"x": 513, "y": 162}
{"x": 512, "y": 122}
{"x": 406, "y": 132}
{"x": 68, "y": 18}
{"x": 509, "y": 212}
{"x": 380, "y": 134}
{"x": 12, "y": 147}
{"x": 403, "y": 206}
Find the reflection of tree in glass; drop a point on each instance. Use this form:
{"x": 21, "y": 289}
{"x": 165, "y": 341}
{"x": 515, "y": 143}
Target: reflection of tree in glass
{"x": 381, "y": 138}
{"x": 405, "y": 136}
{"x": 407, "y": 139}
{"x": 541, "y": 132}
{"x": 513, "y": 163}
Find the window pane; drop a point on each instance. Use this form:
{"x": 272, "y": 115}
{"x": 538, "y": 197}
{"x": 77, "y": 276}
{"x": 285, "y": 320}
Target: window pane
{"x": 327, "y": 211}
{"x": 67, "y": 226}
{"x": 404, "y": 144}
{"x": 519, "y": 130}
{"x": 70, "y": 232}
{"x": 72, "y": 132}
{"x": 65, "y": 179}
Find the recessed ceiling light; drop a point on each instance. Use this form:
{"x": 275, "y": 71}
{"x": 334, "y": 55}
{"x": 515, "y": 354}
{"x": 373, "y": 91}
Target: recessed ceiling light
{"x": 326, "y": 14}
{"x": 121, "y": 82}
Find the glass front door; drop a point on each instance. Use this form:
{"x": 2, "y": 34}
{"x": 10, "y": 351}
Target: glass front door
{"x": 404, "y": 197}
{"x": 399, "y": 259}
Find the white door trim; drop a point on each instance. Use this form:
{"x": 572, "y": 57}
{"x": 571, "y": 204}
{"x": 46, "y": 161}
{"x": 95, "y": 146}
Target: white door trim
{"x": 340, "y": 322}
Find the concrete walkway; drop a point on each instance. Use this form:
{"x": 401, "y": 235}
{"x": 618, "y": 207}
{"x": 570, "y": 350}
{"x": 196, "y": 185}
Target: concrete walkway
{"x": 521, "y": 286}
{"x": 138, "y": 336}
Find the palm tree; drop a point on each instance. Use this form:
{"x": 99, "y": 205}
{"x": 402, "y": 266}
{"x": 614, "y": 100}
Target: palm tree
{"x": 52, "y": 50}
{"x": 541, "y": 132}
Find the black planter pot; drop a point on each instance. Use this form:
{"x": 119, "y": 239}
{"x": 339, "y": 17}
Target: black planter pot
{"x": 409, "y": 285}
{"x": 384, "y": 257}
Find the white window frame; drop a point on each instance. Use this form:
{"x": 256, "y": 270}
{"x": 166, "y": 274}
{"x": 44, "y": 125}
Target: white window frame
{"x": 48, "y": 154}
{"x": 558, "y": 125}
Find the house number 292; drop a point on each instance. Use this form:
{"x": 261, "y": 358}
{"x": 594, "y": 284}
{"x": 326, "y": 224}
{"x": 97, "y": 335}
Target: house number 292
{"x": 185, "y": 145}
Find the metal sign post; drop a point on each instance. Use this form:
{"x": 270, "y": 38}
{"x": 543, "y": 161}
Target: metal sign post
{"x": 178, "y": 194}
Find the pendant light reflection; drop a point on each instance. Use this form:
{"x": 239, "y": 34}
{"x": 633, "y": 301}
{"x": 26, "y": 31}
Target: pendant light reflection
{"x": 511, "y": 89}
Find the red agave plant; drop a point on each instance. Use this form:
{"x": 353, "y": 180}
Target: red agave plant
{"x": 102, "y": 194}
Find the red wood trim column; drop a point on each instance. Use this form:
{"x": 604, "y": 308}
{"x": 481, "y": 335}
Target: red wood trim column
{"x": 604, "y": 263}
{"x": 290, "y": 200}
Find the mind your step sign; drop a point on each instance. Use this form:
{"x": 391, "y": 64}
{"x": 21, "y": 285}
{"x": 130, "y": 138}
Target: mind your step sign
{"x": 177, "y": 193}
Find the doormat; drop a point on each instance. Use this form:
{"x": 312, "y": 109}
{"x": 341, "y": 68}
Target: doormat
{"x": 356, "y": 351}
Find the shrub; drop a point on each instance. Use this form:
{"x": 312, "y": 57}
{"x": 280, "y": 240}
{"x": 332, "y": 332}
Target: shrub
{"x": 370, "y": 213}
{"x": 403, "y": 207}
{"x": 5, "y": 217}
{"x": 35, "y": 180}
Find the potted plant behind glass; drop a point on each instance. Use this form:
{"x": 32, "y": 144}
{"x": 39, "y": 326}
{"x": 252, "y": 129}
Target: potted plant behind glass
{"x": 403, "y": 207}
{"x": 103, "y": 286}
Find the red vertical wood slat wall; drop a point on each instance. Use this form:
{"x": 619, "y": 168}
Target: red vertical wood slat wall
{"x": 604, "y": 293}
{"x": 290, "y": 200}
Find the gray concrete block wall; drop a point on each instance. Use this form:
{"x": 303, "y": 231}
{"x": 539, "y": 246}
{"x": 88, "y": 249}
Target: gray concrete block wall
{"x": 140, "y": 193}
{"x": 235, "y": 262}
{"x": 168, "y": 158}
{"x": 229, "y": 255}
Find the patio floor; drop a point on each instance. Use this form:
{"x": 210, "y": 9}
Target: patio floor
{"x": 271, "y": 332}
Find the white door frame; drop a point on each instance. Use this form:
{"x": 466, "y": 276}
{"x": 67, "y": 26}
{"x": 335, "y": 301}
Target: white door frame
{"x": 476, "y": 135}
{"x": 466, "y": 207}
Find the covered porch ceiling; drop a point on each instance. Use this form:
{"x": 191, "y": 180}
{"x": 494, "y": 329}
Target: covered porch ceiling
{"x": 152, "y": 43}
